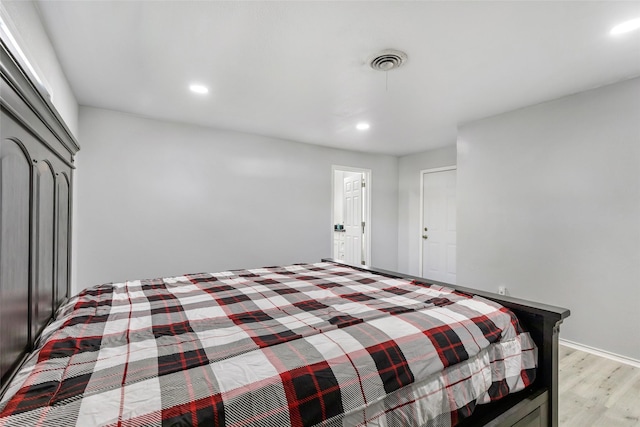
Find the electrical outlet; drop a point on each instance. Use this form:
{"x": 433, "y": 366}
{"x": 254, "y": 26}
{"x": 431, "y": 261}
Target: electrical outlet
{"x": 502, "y": 290}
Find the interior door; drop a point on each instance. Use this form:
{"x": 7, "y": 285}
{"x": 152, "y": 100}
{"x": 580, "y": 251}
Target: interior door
{"x": 353, "y": 218}
{"x": 439, "y": 226}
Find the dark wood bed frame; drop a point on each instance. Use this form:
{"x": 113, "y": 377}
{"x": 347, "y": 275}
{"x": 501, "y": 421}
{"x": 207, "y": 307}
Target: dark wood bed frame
{"x": 36, "y": 177}
{"x": 538, "y": 404}
{"x": 36, "y": 180}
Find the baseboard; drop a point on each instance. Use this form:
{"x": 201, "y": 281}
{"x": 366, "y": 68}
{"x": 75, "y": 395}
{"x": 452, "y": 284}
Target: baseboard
{"x": 602, "y": 353}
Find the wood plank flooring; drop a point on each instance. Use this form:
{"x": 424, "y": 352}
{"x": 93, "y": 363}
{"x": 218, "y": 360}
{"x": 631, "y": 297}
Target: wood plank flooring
{"x": 595, "y": 391}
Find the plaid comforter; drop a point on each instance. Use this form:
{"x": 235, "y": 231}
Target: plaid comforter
{"x": 303, "y": 345}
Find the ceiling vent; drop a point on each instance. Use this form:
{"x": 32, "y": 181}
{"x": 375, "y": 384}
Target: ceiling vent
{"x": 388, "y": 60}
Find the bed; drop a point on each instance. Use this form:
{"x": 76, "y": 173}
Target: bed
{"x": 305, "y": 344}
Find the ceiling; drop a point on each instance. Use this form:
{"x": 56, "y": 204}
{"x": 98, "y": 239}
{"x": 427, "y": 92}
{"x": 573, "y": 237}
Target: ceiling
{"x": 299, "y": 70}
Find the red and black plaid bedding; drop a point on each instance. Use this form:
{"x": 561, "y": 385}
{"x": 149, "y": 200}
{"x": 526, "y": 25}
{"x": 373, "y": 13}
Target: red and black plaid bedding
{"x": 303, "y": 345}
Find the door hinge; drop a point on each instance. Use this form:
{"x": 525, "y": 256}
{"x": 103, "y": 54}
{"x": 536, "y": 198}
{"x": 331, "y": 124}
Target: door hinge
{"x": 362, "y": 227}
{"x": 363, "y": 185}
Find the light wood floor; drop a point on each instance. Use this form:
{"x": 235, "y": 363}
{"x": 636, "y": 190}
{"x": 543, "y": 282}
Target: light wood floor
{"x": 595, "y": 391}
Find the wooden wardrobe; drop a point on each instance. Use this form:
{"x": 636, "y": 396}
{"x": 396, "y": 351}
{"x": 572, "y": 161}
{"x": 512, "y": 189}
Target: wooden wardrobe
{"x": 36, "y": 186}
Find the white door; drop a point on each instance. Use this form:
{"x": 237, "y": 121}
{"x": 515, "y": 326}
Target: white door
{"x": 353, "y": 218}
{"x": 439, "y": 226}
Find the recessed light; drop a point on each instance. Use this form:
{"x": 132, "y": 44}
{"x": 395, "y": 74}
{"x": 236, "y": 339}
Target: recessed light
{"x": 625, "y": 27}
{"x": 362, "y": 126}
{"x": 198, "y": 89}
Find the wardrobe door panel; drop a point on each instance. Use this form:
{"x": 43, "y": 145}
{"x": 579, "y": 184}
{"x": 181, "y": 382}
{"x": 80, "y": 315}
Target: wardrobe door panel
{"x": 62, "y": 240}
{"x": 15, "y": 190}
{"x": 43, "y": 292}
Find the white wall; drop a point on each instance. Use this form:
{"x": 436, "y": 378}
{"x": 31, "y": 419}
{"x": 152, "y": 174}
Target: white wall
{"x": 549, "y": 206}
{"x": 27, "y": 28}
{"x": 158, "y": 198}
{"x": 409, "y": 167}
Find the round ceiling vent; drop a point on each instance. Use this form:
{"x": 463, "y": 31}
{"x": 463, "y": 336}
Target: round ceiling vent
{"x": 388, "y": 60}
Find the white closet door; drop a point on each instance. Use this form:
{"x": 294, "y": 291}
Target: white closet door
{"x": 439, "y": 226}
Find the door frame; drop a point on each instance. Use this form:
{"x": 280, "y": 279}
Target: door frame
{"x": 422, "y": 174}
{"x": 366, "y": 207}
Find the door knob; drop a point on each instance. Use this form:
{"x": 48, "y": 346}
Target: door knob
{"x": 424, "y": 236}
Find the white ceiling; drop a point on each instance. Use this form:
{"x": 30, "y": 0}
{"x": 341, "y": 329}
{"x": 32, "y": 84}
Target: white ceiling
{"x": 298, "y": 70}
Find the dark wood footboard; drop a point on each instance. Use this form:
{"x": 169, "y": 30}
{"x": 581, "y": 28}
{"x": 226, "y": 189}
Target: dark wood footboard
{"x": 537, "y": 405}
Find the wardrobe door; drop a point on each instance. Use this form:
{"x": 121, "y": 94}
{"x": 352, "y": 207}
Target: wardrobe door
{"x": 62, "y": 252}
{"x": 15, "y": 190}
{"x": 43, "y": 291}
